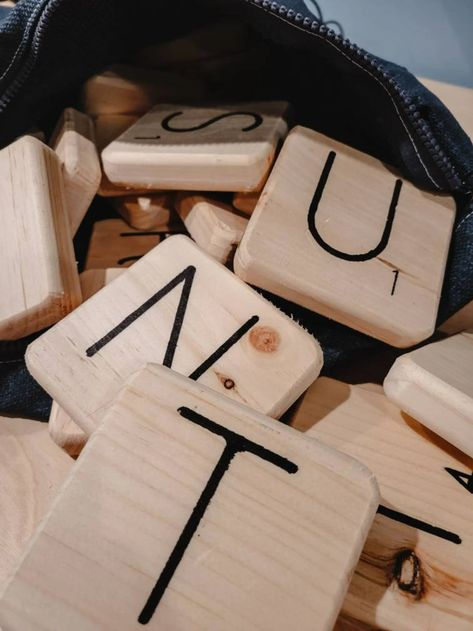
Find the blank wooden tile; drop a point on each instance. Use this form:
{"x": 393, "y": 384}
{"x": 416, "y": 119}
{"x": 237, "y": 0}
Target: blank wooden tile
{"x": 115, "y": 244}
{"x": 339, "y": 233}
{"x": 257, "y": 527}
{"x": 62, "y": 429}
{"x": 107, "y": 128}
{"x": 73, "y": 141}
{"x": 144, "y": 212}
{"x": 460, "y": 321}
{"x": 212, "y": 224}
{"x": 246, "y": 202}
{"x": 38, "y": 276}
{"x": 204, "y": 148}
{"x": 32, "y": 468}
{"x": 434, "y": 384}
{"x": 175, "y": 306}
{"x": 130, "y": 90}
{"x": 415, "y": 572}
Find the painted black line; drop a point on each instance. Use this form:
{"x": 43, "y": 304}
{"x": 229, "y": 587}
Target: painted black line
{"x": 465, "y": 479}
{"x": 234, "y": 443}
{"x": 223, "y": 348}
{"x": 146, "y": 137}
{"x": 186, "y": 277}
{"x": 366, "y": 256}
{"x": 420, "y": 525}
{"x": 396, "y": 274}
{"x": 257, "y": 121}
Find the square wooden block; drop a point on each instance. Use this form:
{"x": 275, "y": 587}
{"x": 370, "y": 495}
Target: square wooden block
{"x": 434, "y": 384}
{"x": 187, "y": 510}
{"x": 38, "y": 276}
{"x": 62, "y": 429}
{"x": 203, "y": 148}
{"x": 115, "y": 244}
{"x": 213, "y": 225}
{"x": 125, "y": 89}
{"x": 145, "y": 212}
{"x": 175, "y": 306}
{"x": 32, "y": 469}
{"x": 73, "y": 141}
{"x": 337, "y": 232}
{"x": 415, "y": 572}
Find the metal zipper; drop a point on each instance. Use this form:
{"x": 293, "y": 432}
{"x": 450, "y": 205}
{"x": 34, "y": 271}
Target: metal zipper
{"x": 368, "y": 62}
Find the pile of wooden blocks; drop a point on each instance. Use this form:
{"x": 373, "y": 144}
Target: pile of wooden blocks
{"x": 189, "y": 506}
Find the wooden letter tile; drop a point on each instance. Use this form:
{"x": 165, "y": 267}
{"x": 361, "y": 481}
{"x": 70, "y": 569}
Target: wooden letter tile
{"x": 73, "y": 141}
{"x": 246, "y": 202}
{"x": 115, "y": 244}
{"x": 415, "y": 572}
{"x": 32, "y": 469}
{"x": 212, "y": 224}
{"x": 38, "y": 275}
{"x": 434, "y": 384}
{"x": 62, "y": 429}
{"x": 337, "y": 232}
{"x": 144, "y": 212}
{"x": 207, "y": 148}
{"x": 179, "y": 307}
{"x": 189, "y": 511}
{"x": 129, "y": 90}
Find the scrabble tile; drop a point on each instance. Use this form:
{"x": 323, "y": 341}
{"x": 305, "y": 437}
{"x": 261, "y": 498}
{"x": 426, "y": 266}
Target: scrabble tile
{"x": 208, "y": 42}
{"x": 179, "y": 307}
{"x": 339, "y": 233}
{"x": 187, "y": 510}
{"x": 145, "y": 211}
{"x": 32, "y": 469}
{"x": 246, "y": 202}
{"x": 212, "y": 224}
{"x": 130, "y": 90}
{"x": 114, "y": 244}
{"x": 107, "y": 128}
{"x": 73, "y": 141}
{"x": 415, "y": 572}
{"x": 206, "y": 148}
{"x": 62, "y": 429}
{"x": 38, "y": 277}
{"x": 434, "y": 385}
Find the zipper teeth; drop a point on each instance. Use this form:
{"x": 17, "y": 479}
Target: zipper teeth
{"x": 40, "y": 14}
{"x": 365, "y": 59}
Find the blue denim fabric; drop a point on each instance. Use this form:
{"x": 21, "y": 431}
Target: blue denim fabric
{"x": 48, "y": 47}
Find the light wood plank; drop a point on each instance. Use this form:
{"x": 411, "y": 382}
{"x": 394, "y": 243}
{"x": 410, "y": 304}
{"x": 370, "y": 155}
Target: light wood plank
{"x": 177, "y": 306}
{"x": 202, "y": 148}
{"x": 73, "y": 141}
{"x": 415, "y": 577}
{"x": 38, "y": 277}
{"x": 32, "y": 469}
{"x": 434, "y": 385}
{"x": 114, "y": 244}
{"x": 246, "y": 202}
{"x": 144, "y": 212}
{"x": 339, "y": 233}
{"x": 62, "y": 429}
{"x": 107, "y": 128}
{"x": 131, "y": 90}
{"x": 258, "y": 527}
{"x": 212, "y": 224}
